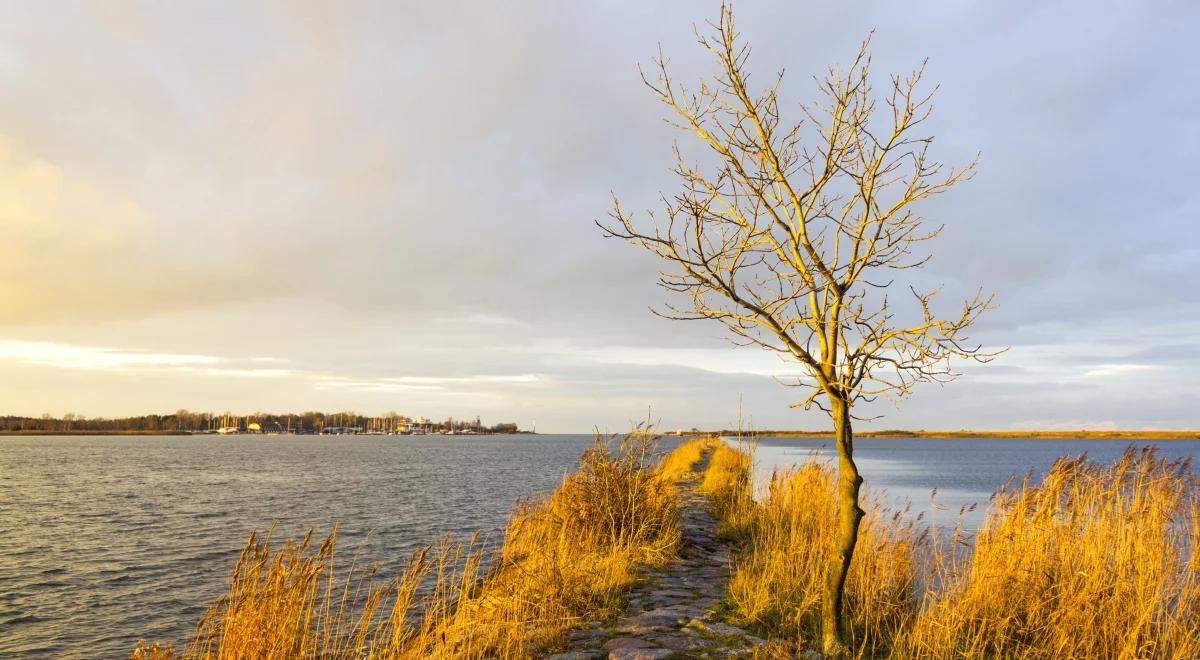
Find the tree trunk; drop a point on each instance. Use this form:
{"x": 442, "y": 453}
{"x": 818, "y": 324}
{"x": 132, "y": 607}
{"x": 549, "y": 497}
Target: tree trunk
{"x": 850, "y": 514}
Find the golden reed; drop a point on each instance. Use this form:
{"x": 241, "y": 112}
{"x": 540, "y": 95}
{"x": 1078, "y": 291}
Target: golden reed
{"x": 1095, "y": 561}
{"x": 566, "y": 558}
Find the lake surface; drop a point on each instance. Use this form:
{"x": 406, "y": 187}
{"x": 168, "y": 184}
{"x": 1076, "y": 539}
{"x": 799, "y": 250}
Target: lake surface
{"x": 964, "y": 471}
{"x": 104, "y": 540}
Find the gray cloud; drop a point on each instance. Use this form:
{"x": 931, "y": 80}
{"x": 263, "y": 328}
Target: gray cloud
{"x": 348, "y": 189}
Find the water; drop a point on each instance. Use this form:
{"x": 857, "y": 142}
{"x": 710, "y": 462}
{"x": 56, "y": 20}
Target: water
{"x": 965, "y": 471}
{"x": 105, "y": 540}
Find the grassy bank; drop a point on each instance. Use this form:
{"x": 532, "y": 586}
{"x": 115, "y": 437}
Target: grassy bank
{"x": 1094, "y": 562}
{"x": 566, "y": 558}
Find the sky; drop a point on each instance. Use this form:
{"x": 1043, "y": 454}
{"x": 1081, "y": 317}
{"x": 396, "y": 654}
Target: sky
{"x": 389, "y": 206}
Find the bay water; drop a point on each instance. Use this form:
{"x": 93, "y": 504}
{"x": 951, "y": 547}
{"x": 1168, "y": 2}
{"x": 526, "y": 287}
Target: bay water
{"x": 105, "y": 540}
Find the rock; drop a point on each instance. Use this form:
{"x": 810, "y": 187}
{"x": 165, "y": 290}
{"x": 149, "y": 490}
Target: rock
{"x": 704, "y": 603}
{"x": 642, "y": 625}
{"x": 672, "y": 593}
{"x": 618, "y": 643}
{"x": 658, "y": 619}
{"x": 576, "y": 655}
{"x": 679, "y": 642}
{"x": 639, "y": 654}
{"x": 716, "y": 628}
{"x": 585, "y": 635}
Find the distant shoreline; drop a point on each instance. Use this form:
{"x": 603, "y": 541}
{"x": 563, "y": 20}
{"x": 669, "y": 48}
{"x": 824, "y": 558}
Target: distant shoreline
{"x": 93, "y": 432}
{"x": 1042, "y": 435}
{"x": 37, "y": 432}
{"x": 1037, "y": 435}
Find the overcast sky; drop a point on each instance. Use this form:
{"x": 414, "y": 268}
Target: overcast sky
{"x": 389, "y": 206}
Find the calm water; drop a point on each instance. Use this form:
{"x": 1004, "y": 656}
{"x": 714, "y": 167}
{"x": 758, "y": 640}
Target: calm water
{"x": 964, "y": 471}
{"x": 105, "y": 540}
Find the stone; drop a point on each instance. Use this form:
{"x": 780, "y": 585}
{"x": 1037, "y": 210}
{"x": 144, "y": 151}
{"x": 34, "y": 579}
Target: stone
{"x": 673, "y": 642}
{"x": 662, "y": 618}
{"x": 639, "y": 654}
{"x": 716, "y": 628}
{"x": 672, "y": 593}
{"x": 585, "y": 635}
{"x": 576, "y": 655}
{"x": 618, "y": 643}
{"x": 642, "y": 628}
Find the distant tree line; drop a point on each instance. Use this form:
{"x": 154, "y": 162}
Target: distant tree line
{"x": 185, "y": 421}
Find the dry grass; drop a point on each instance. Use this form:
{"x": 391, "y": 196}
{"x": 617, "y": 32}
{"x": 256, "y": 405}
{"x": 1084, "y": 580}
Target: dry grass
{"x": 727, "y": 483}
{"x": 566, "y": 558}
{"x": 1095, "y": 562}
{"x": 680, "y": 462}
{"x": 787, "y": 539}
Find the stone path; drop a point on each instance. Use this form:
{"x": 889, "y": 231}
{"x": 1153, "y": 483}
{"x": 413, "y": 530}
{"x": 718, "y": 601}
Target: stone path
{"x": 670, "y": 612}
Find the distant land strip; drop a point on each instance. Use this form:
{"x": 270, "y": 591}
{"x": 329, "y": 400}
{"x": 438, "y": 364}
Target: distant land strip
{"x": 1042, "y": 434}
{"x": 92, "y": 432}
{"x": 186, "y": 422}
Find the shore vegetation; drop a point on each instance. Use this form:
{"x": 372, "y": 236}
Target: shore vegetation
{"x": 566, "y": 558}
{"x": 1090, "y": 561}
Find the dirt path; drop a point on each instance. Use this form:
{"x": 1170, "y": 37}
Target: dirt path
{"x": 670, "y": 613}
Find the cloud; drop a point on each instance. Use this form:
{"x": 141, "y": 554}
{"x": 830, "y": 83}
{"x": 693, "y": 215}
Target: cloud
{"x": 377, "y": 200}
{"x": 89, "y": 357}
{"x": 92, "y": 358}
{"x": 453, "y": 385}
{"x": 75, "y": 250}
{"x": 489, "y": 319}
{"x": 1120, "y": 370}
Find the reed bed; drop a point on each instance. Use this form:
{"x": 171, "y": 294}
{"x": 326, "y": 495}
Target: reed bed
{"x": 566, "y": 558}
{"x": 1095, "y": 561}
{"x": 787, "y": 537}
{"x": 728, "y": 484}
{"x": 680, "y": 463}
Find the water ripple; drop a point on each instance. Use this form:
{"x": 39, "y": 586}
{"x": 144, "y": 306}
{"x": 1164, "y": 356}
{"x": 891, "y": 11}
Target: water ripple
{"x": 107, "y": 540}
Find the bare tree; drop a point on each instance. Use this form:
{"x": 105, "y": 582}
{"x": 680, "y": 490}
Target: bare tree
{"x": 790, "y": 235}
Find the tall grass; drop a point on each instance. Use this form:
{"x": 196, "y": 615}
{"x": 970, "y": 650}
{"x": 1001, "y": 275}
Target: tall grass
{"x": 566, "y": 558}
{"x": 679, "y": 464}
{"x": 727, "y": 482}
{"x": 787, "y": 539}
{"x": 1093, "y": 562}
